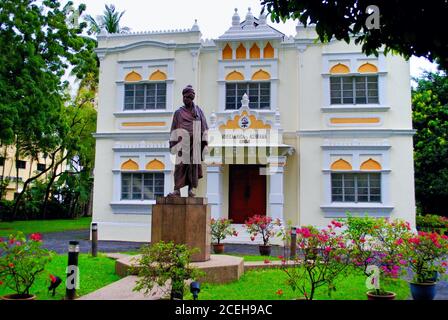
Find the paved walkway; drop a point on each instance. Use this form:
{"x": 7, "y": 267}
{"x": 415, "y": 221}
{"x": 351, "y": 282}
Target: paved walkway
{"x": 58, "y": 241}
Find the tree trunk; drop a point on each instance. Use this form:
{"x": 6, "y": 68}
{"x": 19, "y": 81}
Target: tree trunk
{"x": 47, "y": 193}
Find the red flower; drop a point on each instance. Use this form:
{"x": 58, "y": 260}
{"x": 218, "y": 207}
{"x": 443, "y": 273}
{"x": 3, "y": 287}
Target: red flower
{"x": 281, "y": 257}
{"x": 11, "y": 241}
{"x": 252, "y": 238}
{"x": 36, "y": 237}
{"x": 11, "y": 265}
{"x": 266, "y": 261}
{"x": 279, "y": 292}
{"x": 399, "y": 241}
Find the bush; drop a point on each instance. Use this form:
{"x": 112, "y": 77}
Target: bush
{"x": 21, "y": 260}
{"x": 161, "y": 262}
{"x": 430, "y": 222}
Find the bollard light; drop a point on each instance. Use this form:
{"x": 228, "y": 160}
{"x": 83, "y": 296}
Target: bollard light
{"x": 72, "y": 270}
{"x": 293, "y": 247}
{"x": 94, "y": 239}
{"x": 195, "y": 288}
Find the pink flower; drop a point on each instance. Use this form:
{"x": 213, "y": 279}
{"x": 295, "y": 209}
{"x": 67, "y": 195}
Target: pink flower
{"x": 336, "y": 224}
{"x": 281, "y": 257}
{"x": 18, "y": 243}
{"x": 403, "y": 262}
{"x": 399, "y": 242}
{"x": 327, "y": 250}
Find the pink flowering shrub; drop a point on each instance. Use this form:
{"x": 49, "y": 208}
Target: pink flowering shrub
{"x": 425, "y": 254}
{"x": 261, "y": 225}
{"x": 21, "y": 260}
{"x": 322, "y": 257}
{"x": 378, "y": 242}
{"x": 221, "y": 228}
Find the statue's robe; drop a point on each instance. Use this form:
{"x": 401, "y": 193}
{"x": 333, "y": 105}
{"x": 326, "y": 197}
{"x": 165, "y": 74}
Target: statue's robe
{"x": 188, "y": 174}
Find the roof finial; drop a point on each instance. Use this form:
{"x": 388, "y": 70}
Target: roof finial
{"x": 195, "y": 26}
{"x": 262, "y": 19}
{"x": 249, "y": 19}
{"x": 236, "y": 18}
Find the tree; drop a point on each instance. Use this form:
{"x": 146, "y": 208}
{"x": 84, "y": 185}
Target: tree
{"x": 110, "y": 21}
{"x": 36, "y": 47}
{"x": 408, "y": 28}
{"x": 430, "y": 119}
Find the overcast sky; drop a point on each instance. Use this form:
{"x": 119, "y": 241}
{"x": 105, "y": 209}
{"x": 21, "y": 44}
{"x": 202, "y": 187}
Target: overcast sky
{"x": 214, "y": 17}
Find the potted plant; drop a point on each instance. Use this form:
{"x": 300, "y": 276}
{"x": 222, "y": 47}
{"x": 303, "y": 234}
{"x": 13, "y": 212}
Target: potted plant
{"x": 376, "y": 249}
{"x": 21, "y": 261}
{"x": 220, "y": 229}
{"x": 264, "y": 226}
{"x": 165, "y": 264}
{"x": 424, "y": 254}
{"x": 322, "y": 257}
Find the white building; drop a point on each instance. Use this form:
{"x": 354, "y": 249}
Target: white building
{"x": 343, "y": 122}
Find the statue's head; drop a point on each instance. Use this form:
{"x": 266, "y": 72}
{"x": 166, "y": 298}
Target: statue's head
{"x": 188, "y": 95}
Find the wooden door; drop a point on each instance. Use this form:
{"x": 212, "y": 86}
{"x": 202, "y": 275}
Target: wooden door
{"x": 247, "y": 192}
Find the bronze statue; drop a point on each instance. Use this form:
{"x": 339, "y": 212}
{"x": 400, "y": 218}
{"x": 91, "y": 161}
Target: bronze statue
{"x": 188, "y": 140}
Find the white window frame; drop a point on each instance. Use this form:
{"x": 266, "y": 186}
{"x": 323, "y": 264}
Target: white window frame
{"x": 145, "y": 69}
{"x": 356, "y": 153}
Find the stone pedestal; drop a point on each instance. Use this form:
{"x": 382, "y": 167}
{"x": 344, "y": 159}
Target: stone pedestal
{"x": 183, "y": 221}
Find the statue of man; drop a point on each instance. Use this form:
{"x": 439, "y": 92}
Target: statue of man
{"x": 188, "y": 140}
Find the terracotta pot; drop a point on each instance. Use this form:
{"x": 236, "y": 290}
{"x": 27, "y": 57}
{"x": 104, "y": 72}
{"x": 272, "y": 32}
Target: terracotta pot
{"x": 388, "y": 296}
{"x": 15, "y": 296}
{"x": 218, "y": 248}
{"x": 265, "y": 250}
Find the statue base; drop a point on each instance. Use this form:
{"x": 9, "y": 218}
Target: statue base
{"x": 183, "y": 221}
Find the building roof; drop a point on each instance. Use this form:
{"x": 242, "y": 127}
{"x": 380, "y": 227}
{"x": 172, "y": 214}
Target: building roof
{"x": 250, "y": 29}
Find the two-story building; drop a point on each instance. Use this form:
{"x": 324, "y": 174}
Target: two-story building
{"x": 299, "y": 130}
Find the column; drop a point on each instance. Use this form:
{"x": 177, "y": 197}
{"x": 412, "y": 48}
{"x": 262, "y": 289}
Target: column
{"x": 276, "y": 198}
{"x": 214, "y": 185}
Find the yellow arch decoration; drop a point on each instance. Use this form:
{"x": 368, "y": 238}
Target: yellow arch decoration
{"x": 158, "y": 76}
{"x": 261, "y": 75}
{"x": 371, "y": 165}
{"x": 133, "y": 76}
{"x": 155, "y": 165}
{"x": 367, "y": 67}
{"x": 339, "y": 68}
{"x": 341, "y": 164}
{"x": 234, "y": 75}
{"x": 268, "y": 51}
{"x": 227, "y": 53}
{"x": 255, "y": 123}
{"x": 254, "y": 52}
{"x": 129, "y": 165}
{"x": 241, "y": 52}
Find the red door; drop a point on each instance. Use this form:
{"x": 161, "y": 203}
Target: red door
{"x": 247, "y": 192}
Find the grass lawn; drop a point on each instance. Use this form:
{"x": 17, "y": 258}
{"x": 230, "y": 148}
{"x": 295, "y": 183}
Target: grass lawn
{"x": 43, "y": 226}
{"x": 94, "y": 273}
{"x": 263, "y": 285}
